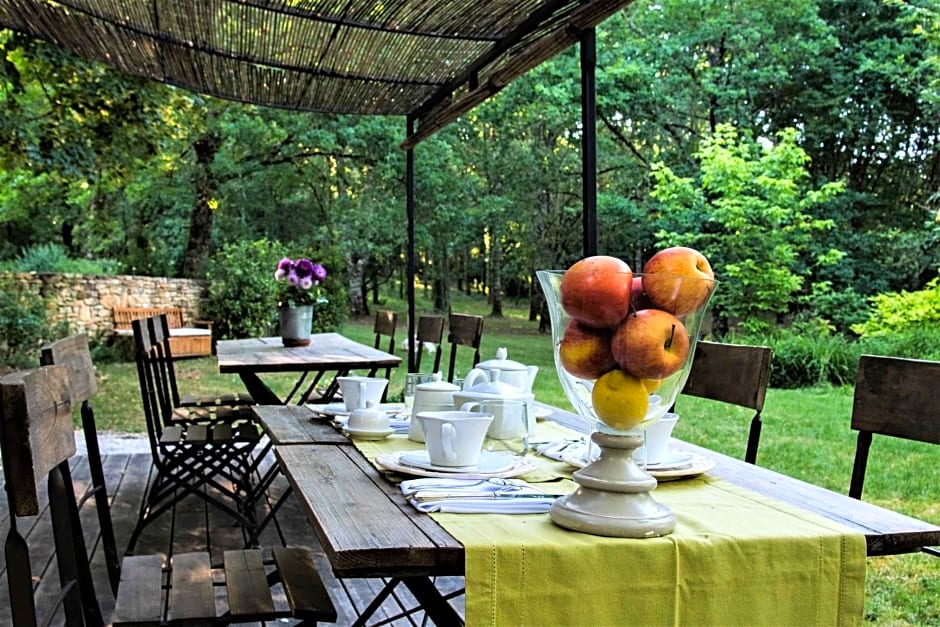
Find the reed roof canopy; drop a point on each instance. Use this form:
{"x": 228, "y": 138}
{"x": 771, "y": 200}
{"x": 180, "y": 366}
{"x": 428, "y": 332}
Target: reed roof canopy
{"x": 429, "y": 60}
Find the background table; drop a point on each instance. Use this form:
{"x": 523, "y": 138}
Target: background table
{"x": 327, "y": 353}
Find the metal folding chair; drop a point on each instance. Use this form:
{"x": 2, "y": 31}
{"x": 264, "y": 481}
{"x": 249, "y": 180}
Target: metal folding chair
{"x": 894, "y": 397}
{"x": 736, "y": 374}
{"x": 212, "y": 461}
{"x": 466, "y": 330}
{"x": 36, "y": 441}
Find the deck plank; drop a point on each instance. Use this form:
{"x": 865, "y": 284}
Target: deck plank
{"x": 195, "y": 527}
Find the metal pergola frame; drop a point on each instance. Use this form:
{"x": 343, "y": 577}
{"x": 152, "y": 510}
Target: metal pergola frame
{"x": 430, "y": 61}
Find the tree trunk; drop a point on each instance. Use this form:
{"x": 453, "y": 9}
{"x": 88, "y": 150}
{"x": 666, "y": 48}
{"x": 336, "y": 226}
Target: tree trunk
{"x": 496, "y": 272}
{"x": 354, "y": 271}
{"x": 200, "y": 226}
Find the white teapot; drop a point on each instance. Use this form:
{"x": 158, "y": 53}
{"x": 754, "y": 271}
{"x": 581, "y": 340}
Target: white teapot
{"x": 481, "y": 386}
{"x": 511, "y": 372}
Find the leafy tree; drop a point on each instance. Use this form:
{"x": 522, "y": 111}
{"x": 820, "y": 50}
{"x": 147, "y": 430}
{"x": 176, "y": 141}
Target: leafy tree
{"x": 749, "y": 213}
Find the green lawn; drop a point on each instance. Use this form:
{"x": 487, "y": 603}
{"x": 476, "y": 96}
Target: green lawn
{"x": 806, "y": 435}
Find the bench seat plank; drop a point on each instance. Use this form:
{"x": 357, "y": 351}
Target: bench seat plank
{"x": 140, "y": 599}
{"x": 191, "y": 593}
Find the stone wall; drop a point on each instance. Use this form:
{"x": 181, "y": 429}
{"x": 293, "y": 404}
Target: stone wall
{"x": 84, "y": 301}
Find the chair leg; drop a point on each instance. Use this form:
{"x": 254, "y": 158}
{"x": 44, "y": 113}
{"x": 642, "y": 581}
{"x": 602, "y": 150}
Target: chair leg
{"x": 753, "y": 439}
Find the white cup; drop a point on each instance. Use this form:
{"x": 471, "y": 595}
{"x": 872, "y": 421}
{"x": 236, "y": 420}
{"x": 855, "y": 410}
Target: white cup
{"x": 657, "y": 438}
{"x": 357, "y": 391}
{"x": 510, "y": 427}
{"x": 454, "y": 438}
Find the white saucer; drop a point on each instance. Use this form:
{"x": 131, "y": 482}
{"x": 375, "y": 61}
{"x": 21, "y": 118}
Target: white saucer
{"x": 672, "y": 461}
{"x": 369, "y": 434}
{"x": 392, "y": 461}
{"x": 488, "y": 463}
{"x": 339, "y": 409}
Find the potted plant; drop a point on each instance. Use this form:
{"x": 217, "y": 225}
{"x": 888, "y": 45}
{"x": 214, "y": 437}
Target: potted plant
{"x": 298, "y": 291}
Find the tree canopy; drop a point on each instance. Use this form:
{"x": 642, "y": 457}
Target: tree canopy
{"x": 729, "y": 125}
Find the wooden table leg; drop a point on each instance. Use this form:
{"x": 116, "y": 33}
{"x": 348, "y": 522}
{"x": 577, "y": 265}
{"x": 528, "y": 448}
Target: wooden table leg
{"x": 262, "y": 394}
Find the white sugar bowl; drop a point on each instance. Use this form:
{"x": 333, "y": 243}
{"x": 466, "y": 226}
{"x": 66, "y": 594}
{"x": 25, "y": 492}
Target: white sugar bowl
{"x": 368, "y": 418}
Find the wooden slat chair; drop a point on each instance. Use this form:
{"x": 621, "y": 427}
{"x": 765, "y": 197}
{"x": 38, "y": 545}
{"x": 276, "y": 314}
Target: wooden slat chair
{"x": 197, "y": 406}
{"x": 736, "y": 374}
{"x": 894, "y": 397}
{"x": 430, "y": 331}
{"x": 212, "y": 461}
{"x": 384, "y": 329}
{"x": 36, "y": 440}
{"x": 72, "y": 352}
{"x": 465, "y": 330}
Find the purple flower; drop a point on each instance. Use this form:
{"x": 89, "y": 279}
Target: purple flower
{"x": 304, "y": 268}
{"x": 319, "y": 273}
{"x": 284, "y": 268}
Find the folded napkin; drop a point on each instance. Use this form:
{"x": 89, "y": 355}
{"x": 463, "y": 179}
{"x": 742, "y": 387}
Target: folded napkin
{"x": 476, "y": 496}
{"x": 563, "y": 449}
{"x": 393, "y": 422}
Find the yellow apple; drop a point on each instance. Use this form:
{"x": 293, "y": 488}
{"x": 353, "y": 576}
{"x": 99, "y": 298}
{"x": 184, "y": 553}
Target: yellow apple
{"x": 620, "y": 399}
{"x": 678, "y": 280}
{"x": 650, "y": 344}
{"x": 596, "y": 291}
{"x": 585, "y": 351}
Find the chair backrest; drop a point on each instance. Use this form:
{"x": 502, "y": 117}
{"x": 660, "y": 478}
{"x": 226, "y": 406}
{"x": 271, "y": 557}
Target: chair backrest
{"x": 36, "y": 442}
{"x": 145, "y": 354}
{"x": 73, "y": 353}
{"x": 159, "y": 328}
{"x": 431, "y": 331}
{"x": 465, "y": 330}
{"x": 735, "y": 374}
{"x": 384, "y": 327}
{"x": 893, "y": 397}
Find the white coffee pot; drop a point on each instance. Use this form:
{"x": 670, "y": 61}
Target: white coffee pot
{"x": 434, "y": 395}
{"x": 511, "y": 372}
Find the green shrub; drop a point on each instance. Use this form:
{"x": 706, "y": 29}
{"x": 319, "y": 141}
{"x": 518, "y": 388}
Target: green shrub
{"x": 52, "y": 257}
{"x": 902, "y": 311}
{"x": 23, "y": 326}
{"x": 242, "y": 293}
{"x": 915, "y": 343}
{"x": 807, "y": 354}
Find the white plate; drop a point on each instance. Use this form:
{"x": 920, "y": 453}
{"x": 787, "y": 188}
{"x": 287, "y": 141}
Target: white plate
{"x": 392, "y": 461}
{"x": 368, "y": 434}
{"x": 672, "y": 461}
{"x": 339, "y": 409}
{"x": 488, "y": 463}
{"x": 698, "y": 466}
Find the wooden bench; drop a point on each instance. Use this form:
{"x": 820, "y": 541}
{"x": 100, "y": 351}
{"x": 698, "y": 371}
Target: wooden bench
{"x": 194, "y": 341}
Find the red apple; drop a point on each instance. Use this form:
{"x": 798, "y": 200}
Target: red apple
{"x": 678, "y": 280}
{"x": 650, "y": 344}
{"x": 596, "y": 291}
{"x": 585, "y": 351}
{"x": 638, "y": 298}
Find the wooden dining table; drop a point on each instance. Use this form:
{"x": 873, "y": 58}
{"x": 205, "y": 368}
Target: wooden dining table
{"x": 329, "y": 355}
{"x": 368, "y": 529}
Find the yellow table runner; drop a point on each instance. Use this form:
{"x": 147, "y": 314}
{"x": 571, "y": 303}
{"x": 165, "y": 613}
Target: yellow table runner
{"x": 735, "y": 558}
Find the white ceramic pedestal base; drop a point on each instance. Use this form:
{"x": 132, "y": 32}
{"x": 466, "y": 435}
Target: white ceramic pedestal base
{"x": 613, "y": 497}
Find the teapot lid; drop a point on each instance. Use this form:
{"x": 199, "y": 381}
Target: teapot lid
{"x": 501, "y": 362}
{"x": 369, "y": 411}
{"x": 498, "y": 388}
{"x": 437, "y": 384}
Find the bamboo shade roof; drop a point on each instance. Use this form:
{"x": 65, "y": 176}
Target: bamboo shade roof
{"x": 431, "y": 60}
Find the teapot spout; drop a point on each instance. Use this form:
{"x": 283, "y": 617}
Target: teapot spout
{"x": 532, "y": 370}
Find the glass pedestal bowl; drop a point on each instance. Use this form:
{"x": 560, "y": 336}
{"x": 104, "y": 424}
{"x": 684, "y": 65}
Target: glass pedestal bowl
{"x": 613, "y": 497}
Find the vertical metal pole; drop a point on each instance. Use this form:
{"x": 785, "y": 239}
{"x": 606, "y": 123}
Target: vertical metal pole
{"x": 588, "y": 48}
{"x": 410, "y": 184}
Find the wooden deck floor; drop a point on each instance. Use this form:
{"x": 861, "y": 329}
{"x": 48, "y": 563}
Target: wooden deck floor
{"x": 192, "y": 526}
